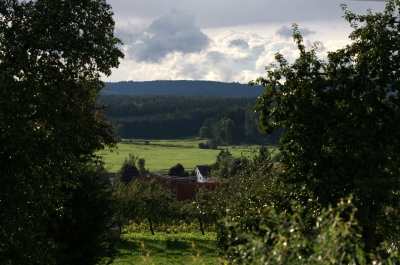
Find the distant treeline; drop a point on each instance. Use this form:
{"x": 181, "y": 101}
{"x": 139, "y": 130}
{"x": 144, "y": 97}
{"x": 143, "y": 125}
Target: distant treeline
{"x": 173, "y": 117}
{"x": 182, "y": 88}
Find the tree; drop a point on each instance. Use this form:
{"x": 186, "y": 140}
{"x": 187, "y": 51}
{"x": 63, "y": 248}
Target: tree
{"x": 218, "y": 132}
{"x": 142, "y": 167}
{"x": 206, "y": 131}
{"x": 262, "y": 160}
{"x": 118, "y": 132}
{"x": 143, "y": 200}
{"x": 227, "y": 166}
{"x": 52, "y": 56}
{"x": 224, "y": 153}
{"x": 129, "y": 169}
{"x": 178, "y": 170}
{"x": 203, "y": 208}
{"x": 225, "y": 128}
{"x": 284, "y": 239}
{"x": 342, "y": 122}
{"x": 131, "y": 160}
{"x": 127, "y": 172}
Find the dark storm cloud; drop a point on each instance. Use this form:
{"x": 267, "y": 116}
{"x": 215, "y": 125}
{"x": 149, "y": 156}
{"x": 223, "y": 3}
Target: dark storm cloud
{"x": 287, "y": 32}
{"x": 239, "y": 43}
{"x": 175, "y": 32}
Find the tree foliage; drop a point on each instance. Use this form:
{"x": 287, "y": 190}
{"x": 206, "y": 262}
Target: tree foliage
{"x": 342, "y": 122}
{"x": 143, "y": 200}
{"x": 129, "y": 168}
{"x": 221, "y": 132}
{"x": 52, "y": 55}
{"x": 222, "y": 155}
{"x": 89, "y": 212}
{"x": 254, "y": 228}
{"x": 285, "y": 239}
{"x": 177, "y": 171}
{"x": 232, "y": 166}
{"x": 142, "y": 167}
{"x": 162, "y": 117}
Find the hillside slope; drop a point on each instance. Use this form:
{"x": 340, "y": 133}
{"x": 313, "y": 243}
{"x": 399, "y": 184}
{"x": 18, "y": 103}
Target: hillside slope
{"x": 182, "y": 88}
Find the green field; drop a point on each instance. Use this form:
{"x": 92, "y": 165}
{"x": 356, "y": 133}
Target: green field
{"x": 161, "y": 155}
{"x": 162, "y": 248}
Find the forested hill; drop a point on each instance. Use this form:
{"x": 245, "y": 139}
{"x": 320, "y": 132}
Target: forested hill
{"x": 183, "y": 88}
{"x": 231, "y": 119}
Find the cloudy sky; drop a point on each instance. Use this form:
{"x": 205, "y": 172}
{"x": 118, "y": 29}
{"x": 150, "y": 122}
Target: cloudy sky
{"x": 222, "y": 40}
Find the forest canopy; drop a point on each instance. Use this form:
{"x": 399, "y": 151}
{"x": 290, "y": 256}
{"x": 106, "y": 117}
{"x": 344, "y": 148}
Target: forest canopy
{"x": 169, "y": 117}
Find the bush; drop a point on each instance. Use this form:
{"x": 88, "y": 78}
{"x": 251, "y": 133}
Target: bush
{"x": 178, "y": 170}
{"x": 127, "y": 172}
{"x": 212, "y": 144}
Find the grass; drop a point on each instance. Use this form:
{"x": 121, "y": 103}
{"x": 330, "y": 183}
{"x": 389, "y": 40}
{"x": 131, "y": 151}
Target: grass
{"x": 161, "y": 155}
{"x": 163, "y": 248}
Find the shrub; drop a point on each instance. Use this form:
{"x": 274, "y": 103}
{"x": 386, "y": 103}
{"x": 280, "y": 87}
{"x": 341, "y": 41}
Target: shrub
{"x": 178, "y": 170}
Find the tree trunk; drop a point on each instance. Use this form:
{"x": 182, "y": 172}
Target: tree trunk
{"x": 151, "y": 226}
{"x": 369, "y": 232}
{"x": 201, "y": 225}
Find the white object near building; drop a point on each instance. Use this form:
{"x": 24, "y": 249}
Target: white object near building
{"x": 202, "y": 173}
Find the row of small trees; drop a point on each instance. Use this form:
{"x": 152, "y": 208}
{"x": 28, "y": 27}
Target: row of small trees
{"x": 133, "y": 166}
{"x": 255, "y": 223}
{"x": 258, "y": 224}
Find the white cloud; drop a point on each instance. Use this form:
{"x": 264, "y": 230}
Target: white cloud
{"x": 221, "y": 61}
{"x": 235, "y": 54}
{"x": 225, "y": 40}
{"x": 174, "y": 32}
{"x": 239, "y": 43}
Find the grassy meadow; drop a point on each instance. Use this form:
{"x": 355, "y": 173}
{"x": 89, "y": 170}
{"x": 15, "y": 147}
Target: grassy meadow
{"x": 161, "y": 155}
{"x": 163, "y": 248}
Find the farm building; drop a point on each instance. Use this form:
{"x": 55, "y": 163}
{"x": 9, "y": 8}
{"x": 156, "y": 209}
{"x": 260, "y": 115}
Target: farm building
{"x": 202, "y": 173}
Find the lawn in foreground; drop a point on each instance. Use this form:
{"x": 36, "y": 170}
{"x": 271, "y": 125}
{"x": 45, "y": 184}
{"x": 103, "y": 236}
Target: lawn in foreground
{"x": 162, "y": 248}
{"x": 161, "y": 155}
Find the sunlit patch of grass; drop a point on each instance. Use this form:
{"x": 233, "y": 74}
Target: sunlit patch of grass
{"x": 161, "y": 155}
{"x": 167, "y": 248}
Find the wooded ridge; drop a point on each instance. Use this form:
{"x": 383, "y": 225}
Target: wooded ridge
{"x": 182, "y": 88}
{"x": 168, "y": 117}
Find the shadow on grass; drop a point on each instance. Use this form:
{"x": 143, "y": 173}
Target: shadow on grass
{"x": 142, "y": 249}
{"x": 126, "y": 245}
{"x": 160, "y": 246}
{"x": 177, "y": 245}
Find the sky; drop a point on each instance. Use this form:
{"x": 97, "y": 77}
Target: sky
{"x": 223, "y": 40}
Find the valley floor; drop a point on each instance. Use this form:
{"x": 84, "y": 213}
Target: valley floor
{"x": 161, "y": 155}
